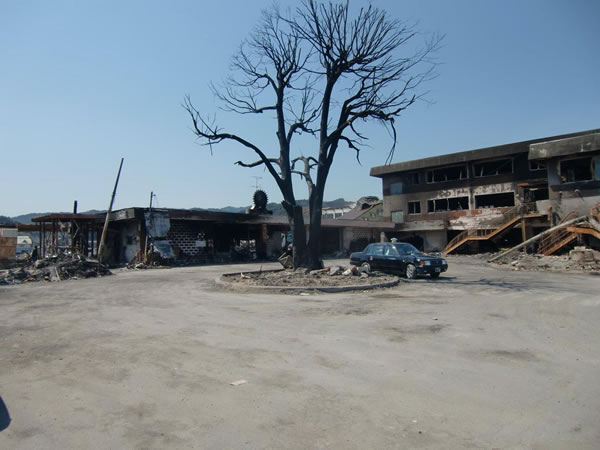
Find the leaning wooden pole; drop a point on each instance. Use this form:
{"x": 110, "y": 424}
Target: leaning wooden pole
{"x": 538, "y": 236}
{"x": 105, "y": 228}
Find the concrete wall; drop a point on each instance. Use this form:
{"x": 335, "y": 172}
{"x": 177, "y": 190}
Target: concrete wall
{"x": 434, "y": 241}
{"x": 352, "y": 234}
{"x": 562, "y": 207}
{"x": 129, "y": 241}
{"x": 8, "y": 244}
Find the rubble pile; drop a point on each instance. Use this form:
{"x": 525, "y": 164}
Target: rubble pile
{"x": 581, "y": 259}
{"x": 348, "y": 271}
{"x": 54, "y": 268}
{"x": 329, "y": 276}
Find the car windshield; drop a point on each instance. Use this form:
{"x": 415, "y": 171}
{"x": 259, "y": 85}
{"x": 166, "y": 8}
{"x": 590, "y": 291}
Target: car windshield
{"x": 407, "y": 249}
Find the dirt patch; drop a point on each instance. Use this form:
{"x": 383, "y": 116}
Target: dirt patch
{"x": 301, "y": 279}
{"x": 401, "y": 334}
{"x": 515, "y": 355}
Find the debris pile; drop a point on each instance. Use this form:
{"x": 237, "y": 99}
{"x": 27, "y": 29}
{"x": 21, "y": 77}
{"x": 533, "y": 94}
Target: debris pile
{"x": 329, "y": 276}
{"x": 54, "y": 268}
{"x": 581, "y": 259}
{"x": 348, "y": 271}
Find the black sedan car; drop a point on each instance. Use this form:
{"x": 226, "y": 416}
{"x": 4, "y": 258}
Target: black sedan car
{"x": 398, "y": 257}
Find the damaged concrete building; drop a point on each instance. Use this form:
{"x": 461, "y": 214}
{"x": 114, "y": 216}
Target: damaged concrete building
{"x": 478, "y": 199}
{"x": 201, "y": 236}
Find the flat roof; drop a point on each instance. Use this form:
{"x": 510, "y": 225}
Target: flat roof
{"x": 469, "y": 155}
{"x": 249, "y": 219}
{"x": 68, "y": 217}
{"x": 563, "y": 147}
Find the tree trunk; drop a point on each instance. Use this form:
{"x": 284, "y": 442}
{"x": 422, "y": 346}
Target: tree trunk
{"x": 314, "y": 238}
{"x": 299, "y": 236}
{"x": 296, "y": 221}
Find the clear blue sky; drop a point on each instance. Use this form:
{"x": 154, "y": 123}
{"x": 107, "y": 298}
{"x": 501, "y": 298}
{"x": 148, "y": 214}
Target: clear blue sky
{"x": 83, "y": 83}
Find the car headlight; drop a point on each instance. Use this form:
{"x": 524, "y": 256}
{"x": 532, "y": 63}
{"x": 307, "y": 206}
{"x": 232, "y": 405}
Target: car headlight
{"x": 427, "y": 263}
{"x": 444, "y": 262}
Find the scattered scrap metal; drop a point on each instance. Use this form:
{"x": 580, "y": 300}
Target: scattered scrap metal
{"x": 54, "y": 268}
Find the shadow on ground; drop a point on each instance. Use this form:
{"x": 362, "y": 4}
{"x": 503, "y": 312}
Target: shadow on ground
{"x": 483, "y": 282}
{"x": 4, "y": 416}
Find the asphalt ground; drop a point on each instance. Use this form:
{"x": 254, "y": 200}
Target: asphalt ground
{"x": 481, "y": 358}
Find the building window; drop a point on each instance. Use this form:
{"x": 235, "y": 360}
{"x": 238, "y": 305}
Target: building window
{"x": 501, "y": 200}
{"x": 396, "y": 188}
{"x": 490, "y": 168}
{"x": 448, "y": 204}
{"x": 398, "y": 216}
{"x": 580, "y": 169}
{"x": 447, "y": 174}
{"x": 412, "y": 178}
{"x": 536, "y": 165}
{"x": 414, "y": 207}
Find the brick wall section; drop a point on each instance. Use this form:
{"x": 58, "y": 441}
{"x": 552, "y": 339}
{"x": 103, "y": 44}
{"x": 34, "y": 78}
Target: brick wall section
{"x": 184, "y": 236}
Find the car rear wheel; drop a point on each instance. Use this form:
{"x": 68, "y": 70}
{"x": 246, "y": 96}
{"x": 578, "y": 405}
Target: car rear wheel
{"x": 435, "y": 275}
{"x": 411, "y": 271}
{"x": 366, "y": 267}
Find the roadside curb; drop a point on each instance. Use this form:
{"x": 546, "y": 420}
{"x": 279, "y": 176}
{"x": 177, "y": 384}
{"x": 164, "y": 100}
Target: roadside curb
{"x": 222, "y": 281}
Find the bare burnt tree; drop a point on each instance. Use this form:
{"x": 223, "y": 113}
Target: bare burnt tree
{"x": 325, "y": 72}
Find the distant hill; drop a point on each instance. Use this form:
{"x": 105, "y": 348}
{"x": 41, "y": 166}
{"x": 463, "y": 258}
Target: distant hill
{"x": 273, "y": 206}
{"x": 278, "y": 209}
{"x": 26, "y": 218}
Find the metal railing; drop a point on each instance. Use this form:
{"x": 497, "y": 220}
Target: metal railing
{"x": 550, "y": 240}
{"x": 507, "y": 216}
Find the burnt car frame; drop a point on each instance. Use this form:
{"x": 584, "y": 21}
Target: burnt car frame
{"x": 398, "y": 257}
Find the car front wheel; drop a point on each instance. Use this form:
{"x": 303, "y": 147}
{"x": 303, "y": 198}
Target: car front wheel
{"x": 366, "y": 267}
{"x": 411, "y": 271}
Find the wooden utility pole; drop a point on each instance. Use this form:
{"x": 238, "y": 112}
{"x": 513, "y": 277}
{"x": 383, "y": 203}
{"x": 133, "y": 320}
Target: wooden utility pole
{"x": 112, "y": 200}
{"x": 146, "y": 240}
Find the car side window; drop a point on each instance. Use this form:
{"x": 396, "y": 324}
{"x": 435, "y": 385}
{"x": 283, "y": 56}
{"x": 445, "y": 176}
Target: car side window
{"x": 377, "y": 250}
{"x": 390, "y": 251}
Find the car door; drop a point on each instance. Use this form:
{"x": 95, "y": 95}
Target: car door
{"x": 391, "y": 256}
{"x": 375, "y": 256}
{"x": 403, "y": 258}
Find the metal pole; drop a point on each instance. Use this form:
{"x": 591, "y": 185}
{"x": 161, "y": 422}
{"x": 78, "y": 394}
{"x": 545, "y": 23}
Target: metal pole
{"x": 112, "y": 199}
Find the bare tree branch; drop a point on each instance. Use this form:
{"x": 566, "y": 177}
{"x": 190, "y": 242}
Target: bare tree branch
{"x": 256, "y": 163}
{"x": 212, "y": 135}
{"x": 309, "y": 164}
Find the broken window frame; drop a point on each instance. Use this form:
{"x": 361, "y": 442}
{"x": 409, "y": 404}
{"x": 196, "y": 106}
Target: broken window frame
{"x": 502, "y": 163}
{"x": 414, "y": 207}
{"x": 412, "y": 178}
{"x": 535, "y": 165}
{"x": 437, "y": 205}
{"x": 566, "y": 179}
{"x": 434, "y": 175}
{"x": 497, "y": 195}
